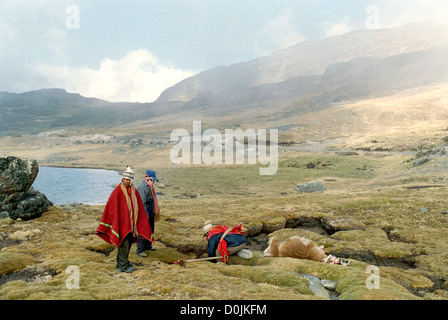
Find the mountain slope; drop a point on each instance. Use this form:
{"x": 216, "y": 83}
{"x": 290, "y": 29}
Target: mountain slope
{"x": 304, "y": 78}
{"x": 310, "y": 58}
{"x": 361, "y": 78}
{"x": 36, "y": 111}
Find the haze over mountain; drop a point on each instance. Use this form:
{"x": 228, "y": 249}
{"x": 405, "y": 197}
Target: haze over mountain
{"x": 311, "y": 65}
{"x": 306, "y": 77}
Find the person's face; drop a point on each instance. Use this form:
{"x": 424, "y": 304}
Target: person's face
{"x": 126, "y": 182}
{"x": 150, "y": 181}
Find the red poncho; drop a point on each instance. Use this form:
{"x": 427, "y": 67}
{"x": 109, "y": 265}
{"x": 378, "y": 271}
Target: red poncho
{"x": 224, "y": 230}
{"x": 121, "y": 217}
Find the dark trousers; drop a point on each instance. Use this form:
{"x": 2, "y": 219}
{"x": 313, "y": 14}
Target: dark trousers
{"x": 123, "y": 252}
{"x": 143, "y": 244}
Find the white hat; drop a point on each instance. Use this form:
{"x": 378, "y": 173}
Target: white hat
{"x": 128, "y": 174}
{"x": 207, "y": 228}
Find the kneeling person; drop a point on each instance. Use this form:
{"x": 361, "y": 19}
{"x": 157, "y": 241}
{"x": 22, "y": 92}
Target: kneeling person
{"x": 224, "y": 241}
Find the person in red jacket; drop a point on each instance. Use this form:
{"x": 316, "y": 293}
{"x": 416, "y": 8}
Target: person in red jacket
{"x": 124, "y": 220}
{"x": 224, "y": 241}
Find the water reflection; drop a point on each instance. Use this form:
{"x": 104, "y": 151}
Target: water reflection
{"x": 73, "y": 185}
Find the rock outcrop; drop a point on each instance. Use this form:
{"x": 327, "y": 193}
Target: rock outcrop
{"x": 17, "y": 198}
{"x": 310, "y": 187}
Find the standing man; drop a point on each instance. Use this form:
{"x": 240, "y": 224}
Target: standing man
{"x": 123, "y": 220}
{"x": 149, "y": 197}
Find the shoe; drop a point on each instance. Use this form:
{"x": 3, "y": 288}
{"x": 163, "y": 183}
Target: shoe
{"x": 151, "y": 249}
{"x": 129, "y": 269}
{"x": 142, "y": 254}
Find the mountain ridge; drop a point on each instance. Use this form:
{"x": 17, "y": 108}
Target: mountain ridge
{"x": 386, "y": 62}
{"x": 45, "y": 109}
{"x": 308, "y": 58}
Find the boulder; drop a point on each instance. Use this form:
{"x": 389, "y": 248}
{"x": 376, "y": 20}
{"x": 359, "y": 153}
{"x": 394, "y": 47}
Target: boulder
{"x": 17, "y": 198}
{"x": 309, "y": 187}
{"x": 421, "y": 162}
{"x": 17, "y": 175}
{"x": 316, "y": 286}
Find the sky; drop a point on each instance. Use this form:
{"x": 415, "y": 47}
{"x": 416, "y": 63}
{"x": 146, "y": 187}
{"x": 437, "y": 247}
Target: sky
{"x": 132, "y": 50}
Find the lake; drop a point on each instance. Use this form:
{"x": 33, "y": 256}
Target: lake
{"x": 73, "y": 185}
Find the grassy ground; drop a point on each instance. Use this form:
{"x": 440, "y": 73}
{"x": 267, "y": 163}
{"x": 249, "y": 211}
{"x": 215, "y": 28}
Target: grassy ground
{"x": 387, "y": 226}
{"x": 379, "y": 209}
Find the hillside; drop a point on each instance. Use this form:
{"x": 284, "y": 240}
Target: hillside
{"x": 298, "y": 81}
{"x": 48, "y": 109}
{"x": 357, "y": 79}
{"x": 310, "y": 58}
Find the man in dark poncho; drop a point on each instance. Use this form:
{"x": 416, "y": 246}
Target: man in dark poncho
{"x": 149, "y": 198}
{"x": 123, "y": 220}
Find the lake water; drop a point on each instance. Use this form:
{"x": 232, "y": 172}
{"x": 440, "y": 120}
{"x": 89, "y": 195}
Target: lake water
{"x": 72, "y": 185}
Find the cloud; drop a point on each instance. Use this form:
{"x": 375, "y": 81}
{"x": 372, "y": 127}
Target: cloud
{"x": 335, "y": 29}
{"x": 280, "y": 33}
{"x": 399, "y": 13}
{"x": 388, "y": 14}
{"x": 137, "y": 77}
{"x": 33, "y": 27}
{"x": 41, "y": 51}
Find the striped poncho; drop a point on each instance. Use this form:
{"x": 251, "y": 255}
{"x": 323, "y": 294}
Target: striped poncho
{"x": 122, "y": 216}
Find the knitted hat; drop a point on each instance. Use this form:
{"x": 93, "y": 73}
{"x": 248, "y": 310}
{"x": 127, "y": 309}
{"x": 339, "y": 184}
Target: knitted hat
{"x": 128, "y": 174}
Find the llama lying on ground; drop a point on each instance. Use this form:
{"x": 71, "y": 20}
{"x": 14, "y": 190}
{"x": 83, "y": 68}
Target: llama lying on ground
{"x": 300, "y": 248}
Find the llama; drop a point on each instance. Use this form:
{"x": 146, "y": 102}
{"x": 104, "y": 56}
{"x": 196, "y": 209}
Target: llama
{"x": 300, "y": 248}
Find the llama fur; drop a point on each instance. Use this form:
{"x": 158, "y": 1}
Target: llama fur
{"x": 295, "y": 247}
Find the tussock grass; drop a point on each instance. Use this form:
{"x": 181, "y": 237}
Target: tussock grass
{"x": 367, "y": 189}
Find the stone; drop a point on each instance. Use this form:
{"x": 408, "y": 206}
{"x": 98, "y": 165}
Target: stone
{"x": 245, "y": 254}
{"x": 316, "y": 286}
{"x": 310, "y": 187}
{"x": 17, "y": 175}
{"x": 17, "y": 198}
{"x": 421, "y": 162}
{"x": 32, "y": 205}
{"x": 328, "y": 284}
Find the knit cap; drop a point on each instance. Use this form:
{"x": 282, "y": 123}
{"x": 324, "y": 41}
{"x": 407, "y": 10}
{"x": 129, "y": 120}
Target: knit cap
{"x": 129, "y": 174}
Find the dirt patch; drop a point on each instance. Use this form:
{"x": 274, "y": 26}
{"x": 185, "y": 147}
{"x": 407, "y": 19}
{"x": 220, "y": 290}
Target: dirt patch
{"x": 439, "y": 284}
{"x": 105, "y": 252}
{"x": 29, "y": 274}
{"x": 393, "y": 237}
{"x": 308, "y": 223}
{"x": 369, "y": 257}
{"x": 258, "y": 243}
{"x": 5, "y": 241}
